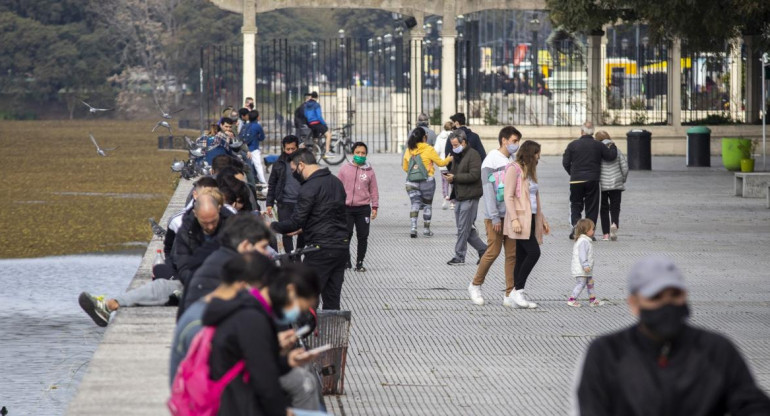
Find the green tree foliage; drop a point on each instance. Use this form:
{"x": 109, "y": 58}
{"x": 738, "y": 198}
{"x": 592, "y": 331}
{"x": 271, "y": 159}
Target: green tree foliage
{"x": 706, "y": 24}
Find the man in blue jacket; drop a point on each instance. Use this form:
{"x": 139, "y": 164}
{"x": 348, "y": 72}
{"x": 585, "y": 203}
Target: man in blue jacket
{"x": 253, "y": 135}
{"x": 316, "y": 121}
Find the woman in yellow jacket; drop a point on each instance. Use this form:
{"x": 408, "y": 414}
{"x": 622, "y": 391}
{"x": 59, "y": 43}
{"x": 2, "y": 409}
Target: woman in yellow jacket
{"x": 420, "y": 185}
{"x": 524, "y": 219}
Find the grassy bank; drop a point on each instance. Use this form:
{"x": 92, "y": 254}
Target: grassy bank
{"x": 59, "y": 197}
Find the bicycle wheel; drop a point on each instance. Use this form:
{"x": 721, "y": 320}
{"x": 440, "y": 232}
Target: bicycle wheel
{"x": 317, "y": 152}
{"x": 338, "y": 154}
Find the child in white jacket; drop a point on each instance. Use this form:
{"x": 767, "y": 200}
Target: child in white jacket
{"x": 583, "y": 263}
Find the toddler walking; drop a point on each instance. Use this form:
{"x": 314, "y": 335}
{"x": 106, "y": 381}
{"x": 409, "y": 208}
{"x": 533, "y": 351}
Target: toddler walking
{"x": 583, "y": 263}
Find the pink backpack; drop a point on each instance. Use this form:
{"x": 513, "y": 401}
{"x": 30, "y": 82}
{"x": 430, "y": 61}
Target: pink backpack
{"x": 193, "y": 393}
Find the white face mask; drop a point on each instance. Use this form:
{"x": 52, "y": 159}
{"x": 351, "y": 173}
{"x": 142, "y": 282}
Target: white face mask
{"x": 458, "y": 149}
{"x": 512, "y": 148}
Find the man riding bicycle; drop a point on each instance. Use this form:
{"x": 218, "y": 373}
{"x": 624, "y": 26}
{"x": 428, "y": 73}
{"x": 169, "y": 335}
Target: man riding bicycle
{"x": 316, "y": 122}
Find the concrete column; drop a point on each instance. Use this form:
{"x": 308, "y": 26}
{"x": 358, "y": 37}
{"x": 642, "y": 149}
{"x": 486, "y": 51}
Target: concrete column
{"x": 249, "y": 30}
{"x": 416, "y": 67}
{"x": 448, "y": 70}
{"x": 675, "y": 83}
{"x": 753, "y": 79}
{"x": 594, "y": 80}
{"x": 735, "y": 79}
{"x": 603, "y": 54}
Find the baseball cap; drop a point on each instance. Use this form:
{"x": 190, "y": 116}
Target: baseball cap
{"x": 653, "y": 274}
{"x": 314, "y": 94}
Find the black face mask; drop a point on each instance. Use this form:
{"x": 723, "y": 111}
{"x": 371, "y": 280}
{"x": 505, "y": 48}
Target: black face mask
{"x": 298, "y": 176}
{"x": 666, "y": 322}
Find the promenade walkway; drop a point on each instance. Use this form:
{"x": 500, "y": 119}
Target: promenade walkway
{"x": 420, "y": 347}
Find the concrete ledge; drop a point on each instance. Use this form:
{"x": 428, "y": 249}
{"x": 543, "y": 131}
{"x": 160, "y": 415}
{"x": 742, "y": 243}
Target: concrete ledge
{"x": 128, "y": 373}
{"x": 752, "y": 185}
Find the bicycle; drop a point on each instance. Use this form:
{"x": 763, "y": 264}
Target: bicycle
{"x": 341, "y": 146}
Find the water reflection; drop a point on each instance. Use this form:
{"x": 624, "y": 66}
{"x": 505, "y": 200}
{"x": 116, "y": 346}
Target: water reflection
{"x": 46, "y": 340}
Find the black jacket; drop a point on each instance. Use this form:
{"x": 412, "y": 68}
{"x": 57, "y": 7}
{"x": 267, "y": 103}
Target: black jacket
{"x": 246, "y": 332}
{"x": 473, "y": 141}
{"x": 189, "y": 250}
{"x": 320, "y": 212}
{"x": 277, "y": 181}
{"x": 299, "y": 117}
{"x": 705, "y": 375}
{"x": 207, "y": 277}
{"x": 467, "y": 170}
{"x": 583, "y": 158}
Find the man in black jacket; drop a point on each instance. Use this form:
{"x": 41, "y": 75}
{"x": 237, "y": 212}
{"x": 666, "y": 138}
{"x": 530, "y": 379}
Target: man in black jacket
{"x": 197, "y": 237}
{"x": 662, "y": 365}
{"x": 320, "y": 216}
{"x": 283, "y": 190}
{"x": 474, "y": 141}
{"x": 583, "y": 162}
{"x": 244, "y": 233}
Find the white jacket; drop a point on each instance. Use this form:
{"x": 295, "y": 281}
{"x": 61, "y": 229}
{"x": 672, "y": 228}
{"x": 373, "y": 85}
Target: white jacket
{"x": 582, "y": 256}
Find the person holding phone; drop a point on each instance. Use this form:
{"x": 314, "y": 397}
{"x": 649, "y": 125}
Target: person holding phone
{"x": 524, "y": 219}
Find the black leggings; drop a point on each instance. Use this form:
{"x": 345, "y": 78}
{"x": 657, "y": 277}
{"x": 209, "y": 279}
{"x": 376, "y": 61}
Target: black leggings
{"x": 610, "y": 210}
{"x": 360, "y": 217}
{"x": 527, "y": 255}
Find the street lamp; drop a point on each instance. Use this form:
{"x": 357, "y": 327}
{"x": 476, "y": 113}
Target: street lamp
{"x": 534, "y": 26}
{"x": 624, "y": 45}
{"x": 460, "y": 24}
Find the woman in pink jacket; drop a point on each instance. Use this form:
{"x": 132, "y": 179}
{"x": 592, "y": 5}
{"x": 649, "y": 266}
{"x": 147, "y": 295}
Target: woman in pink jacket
{"x": 362, "y": 199}
{"x": 524, "y": 219}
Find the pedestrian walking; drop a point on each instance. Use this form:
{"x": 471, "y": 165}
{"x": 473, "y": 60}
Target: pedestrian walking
{"x": 582, "y": 265}
{"x": 465, "y": 177}
{"x": 253, "y": 136}
{"x": 418, "y": 163}
{"x": 440, "y": 146}
{"x": 583, "y": 162}
{"x": 661, "y": 365}
{"x": 362, "y": 201}
{"x": 283, "y": 190}
{"x": 493, "y": 171}
{"x": 613, "y": 183}
{"x": 524, "y": 219}
{"x": 474, "y": 141}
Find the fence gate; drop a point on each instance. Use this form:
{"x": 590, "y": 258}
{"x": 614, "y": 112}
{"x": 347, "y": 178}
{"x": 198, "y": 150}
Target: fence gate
{"x": 361, "y": 82}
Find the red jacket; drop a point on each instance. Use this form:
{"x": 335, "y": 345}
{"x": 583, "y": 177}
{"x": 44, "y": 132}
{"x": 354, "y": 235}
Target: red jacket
{"x": 360, "y": 185}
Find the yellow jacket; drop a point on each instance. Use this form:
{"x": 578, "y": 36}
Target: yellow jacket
{"x": 428, "y": 155}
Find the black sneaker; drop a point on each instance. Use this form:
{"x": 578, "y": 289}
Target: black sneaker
{"x": 413, "y": 234}
{"x": 455, "y": 262}
{"x": 572, "y": 234}
{"x": 360, "y": 267}
{"x": 348, "y": 265}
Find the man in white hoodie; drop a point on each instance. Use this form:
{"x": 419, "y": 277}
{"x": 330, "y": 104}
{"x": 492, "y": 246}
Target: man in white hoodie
{"x": 492, "y": 174}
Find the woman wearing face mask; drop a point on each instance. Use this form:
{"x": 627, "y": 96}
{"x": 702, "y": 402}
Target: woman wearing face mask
{"x": 418, "y": 163}
{"x": 362, "y": 199}
{"x": 524, "y": 219}
{"x": 246, "y": 329}
{"x": 493, "y": 171}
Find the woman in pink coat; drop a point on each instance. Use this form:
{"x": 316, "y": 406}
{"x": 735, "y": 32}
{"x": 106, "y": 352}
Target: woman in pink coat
{"x": 524, "y": 219}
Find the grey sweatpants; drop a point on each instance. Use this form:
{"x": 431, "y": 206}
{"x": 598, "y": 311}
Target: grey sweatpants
{"x": 154, "y": 293}
{"x": 302, "y": 387}
{"x": 421, "y": 197}
{"x": 465, "y": 216}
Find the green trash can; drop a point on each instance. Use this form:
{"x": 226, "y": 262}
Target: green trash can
{"x": 698, "y": 147}
{"x": 733, "y": 151}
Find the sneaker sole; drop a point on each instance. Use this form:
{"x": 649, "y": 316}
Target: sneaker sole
{"x": 613, "y": 233}
{"x": 88, "y": 306}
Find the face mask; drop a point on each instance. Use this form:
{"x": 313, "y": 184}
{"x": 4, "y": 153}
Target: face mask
{"x": 458, "y": 149}
{"x": 512, "y": 148}
{"x": 359, "y": 160}
{"x": 289, "y": 316}
{"x": 667, "y": 321}
{"x": 298, "y": 176}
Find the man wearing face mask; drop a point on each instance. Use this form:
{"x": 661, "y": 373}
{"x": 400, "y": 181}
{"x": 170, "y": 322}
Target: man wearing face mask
{"x": 320, "y": 216}
{"x": 662, "y": 365}
{"x": 492, "y": 179}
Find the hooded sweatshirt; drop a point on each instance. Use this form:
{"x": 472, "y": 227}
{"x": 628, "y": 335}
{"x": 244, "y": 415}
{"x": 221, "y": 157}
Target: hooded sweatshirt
{"x": 493, "y": 209}
{"x": 246, "y": 332}
{"x": 428, "y": 155}
{"x": 360, "y": 185}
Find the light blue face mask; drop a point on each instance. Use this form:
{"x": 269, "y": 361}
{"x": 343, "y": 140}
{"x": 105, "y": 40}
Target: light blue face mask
{"x": 289, "y": 316}
{"x": 458, "y": 149}
{"x": 512, "y": 148}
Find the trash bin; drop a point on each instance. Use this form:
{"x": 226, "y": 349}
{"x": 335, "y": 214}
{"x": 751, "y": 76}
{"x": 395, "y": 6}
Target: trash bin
{"x": 639, "y": 150}
{"x": 699, "y": 146}
{"x": 334, "y": 329}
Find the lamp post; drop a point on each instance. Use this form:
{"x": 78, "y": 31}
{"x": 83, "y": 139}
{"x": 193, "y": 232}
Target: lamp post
{"x": 534, "y": 26}
{"x": 370, "y": 52}
{"x": 390, "y": 57}
{"x": 344, "y": 78}
{"x": 314, "y": 57}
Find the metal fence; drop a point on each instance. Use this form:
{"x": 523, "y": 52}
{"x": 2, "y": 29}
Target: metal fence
{"x": 363, "y": 82}
{"x": 709, "y": 96}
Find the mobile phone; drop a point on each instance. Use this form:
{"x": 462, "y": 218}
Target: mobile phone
{"x": 301, "y": 332}
{"x": 320, "y": 349}
{"x": 445, "y": 172}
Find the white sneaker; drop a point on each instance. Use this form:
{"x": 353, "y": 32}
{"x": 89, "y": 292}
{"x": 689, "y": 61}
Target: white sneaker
{"x": 475, "y": 293}
{"x": 523, "y": 297}
{"x": 508, "y": 301}
{"x": 614, "y": 232}
{"x": 445, "y": 205}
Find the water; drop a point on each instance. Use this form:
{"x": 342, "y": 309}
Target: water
{"x": 46, "y": 340}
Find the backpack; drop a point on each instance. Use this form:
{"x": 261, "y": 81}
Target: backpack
{"x": 193, "y": 393}
{"x": 416, "y": 171}
{"x": 498, "y": 179}
{"x": 299, "y": 116}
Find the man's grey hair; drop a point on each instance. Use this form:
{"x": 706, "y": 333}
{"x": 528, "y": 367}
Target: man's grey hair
{"x": 459, "y": 135}
{"x": 587, "y": 129}
{"x": 423, "y": 120}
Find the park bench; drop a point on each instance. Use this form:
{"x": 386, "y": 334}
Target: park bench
{"x": 752, "y": 185}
